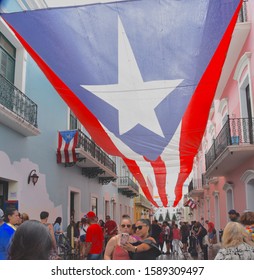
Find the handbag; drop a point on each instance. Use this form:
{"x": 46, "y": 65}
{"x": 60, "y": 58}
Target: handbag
{"x": 150, "y": 254}
{"x": 154, "y": 246}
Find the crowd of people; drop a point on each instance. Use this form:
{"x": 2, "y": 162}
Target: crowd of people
{"x": 93, "y": 239}
{"x": 238, "y": 237}
{"x": 30, "y": 239}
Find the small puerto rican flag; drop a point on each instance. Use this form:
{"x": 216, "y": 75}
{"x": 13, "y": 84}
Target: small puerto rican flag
{"x": 191, "y": 203}
{"x": 67, "y": 142}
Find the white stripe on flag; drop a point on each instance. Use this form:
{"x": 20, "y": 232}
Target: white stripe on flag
{"x": 170, "y": 156}
{"x": 71, "y": 149}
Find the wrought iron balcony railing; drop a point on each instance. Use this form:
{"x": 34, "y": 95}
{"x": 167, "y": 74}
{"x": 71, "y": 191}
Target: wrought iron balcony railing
{"x": 127, "y": 181}
{"x": 89, "y": 146}
{"x": 236, "y": 131}
{"x": 17, "y": 102}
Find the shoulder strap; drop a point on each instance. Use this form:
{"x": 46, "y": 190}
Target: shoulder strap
{"x": 149, "y": 242}
{"x": 154, "y": 247}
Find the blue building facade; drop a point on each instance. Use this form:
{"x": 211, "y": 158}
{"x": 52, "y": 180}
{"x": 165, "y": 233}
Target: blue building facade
{"x": 31, "y": 114}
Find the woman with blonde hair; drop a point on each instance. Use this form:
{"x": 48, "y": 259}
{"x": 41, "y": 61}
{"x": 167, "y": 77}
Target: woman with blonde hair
{"x": 235, "y": 244}
{"x": 114, "y": 249}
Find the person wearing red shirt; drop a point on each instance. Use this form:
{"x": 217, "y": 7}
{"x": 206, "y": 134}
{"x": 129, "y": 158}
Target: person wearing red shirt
{"x": 110, "y": 228}
{"x": 211, "y": 232}
{"x": 94, "y": 238}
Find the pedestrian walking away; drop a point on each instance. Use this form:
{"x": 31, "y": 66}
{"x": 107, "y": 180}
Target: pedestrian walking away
{"x": 94, "y": 238}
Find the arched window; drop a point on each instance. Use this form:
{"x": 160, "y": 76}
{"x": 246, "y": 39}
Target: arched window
{"x": 228, "y": 188}
{"x": 248, "y": 179}
{"x": 243, "y": 76}
{"x": 216, "y": 209}
{"x": 223, "y": 110}
{"x": 211, "y": 133}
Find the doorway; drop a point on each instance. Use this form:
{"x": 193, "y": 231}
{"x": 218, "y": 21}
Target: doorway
{"x": 250, "y": 195}
{"x": 74, "y": 205}
{"x": 3, "y": 193}
{"x": 249, "y": 113}
{"x": 217, "y": 212}
{"x": 246, "y": 112}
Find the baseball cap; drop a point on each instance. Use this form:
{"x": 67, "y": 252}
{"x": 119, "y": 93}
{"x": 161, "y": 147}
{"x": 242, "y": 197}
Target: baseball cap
{"x": 1, "y": 214}
{"x": 90, "y": 214}
{"x": 232, "y": 211}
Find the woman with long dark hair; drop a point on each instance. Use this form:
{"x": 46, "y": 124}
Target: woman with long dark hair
{"x": 57, "y": 228}
{"x": 146, "y": 248}
{"x": 31, "y": 241}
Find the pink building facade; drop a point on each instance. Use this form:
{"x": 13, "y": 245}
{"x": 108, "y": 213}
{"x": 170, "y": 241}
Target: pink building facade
{"x": 223, "y": 170}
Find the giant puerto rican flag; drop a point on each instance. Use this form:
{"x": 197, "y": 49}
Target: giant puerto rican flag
{"x": 139, "y": 75}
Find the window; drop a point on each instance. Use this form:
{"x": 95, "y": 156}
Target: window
{"x": 208, "y": 208}
{"x": 74, "y": 122}
{"x": 107, "y": 213}
{"x": 3, "y": 193}
{"x": 248, "y": 180}
{"x": 94, "y": 203}
{"x": 7, "y": 58}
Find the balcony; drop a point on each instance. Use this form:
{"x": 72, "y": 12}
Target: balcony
{"x": 195, "y": 188}
{"x": 232, "y": 147}
{"x": 197, "y": 193}
{"x": 93, "y": 161}
{"x": 17, "y": 111}
{"x": 206, "y": 181}
{"x": 127, "y": 187}
{"x": 142, "y": 201}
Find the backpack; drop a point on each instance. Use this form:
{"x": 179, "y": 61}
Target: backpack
{"x": 203, "y": 232}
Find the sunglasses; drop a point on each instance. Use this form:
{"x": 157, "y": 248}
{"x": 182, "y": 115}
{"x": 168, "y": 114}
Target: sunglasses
{"x": 123, "y": 226}
{"x": 139, "y": 227}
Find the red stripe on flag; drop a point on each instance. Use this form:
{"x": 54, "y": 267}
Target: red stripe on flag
{"x": 195, "y": 120}
{"x": 160, "y": 173}
{"x": 59, "y": 157}
{"x": 66, "y": 153}
{"x": 134, "y": 169}
{"x": 75, "y": 143}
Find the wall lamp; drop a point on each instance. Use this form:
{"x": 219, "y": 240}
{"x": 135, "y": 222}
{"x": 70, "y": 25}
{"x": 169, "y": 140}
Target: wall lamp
{"x": 33, "y": 177}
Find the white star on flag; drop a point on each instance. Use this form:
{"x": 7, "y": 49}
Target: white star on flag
{"x": 134, "y": 99}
